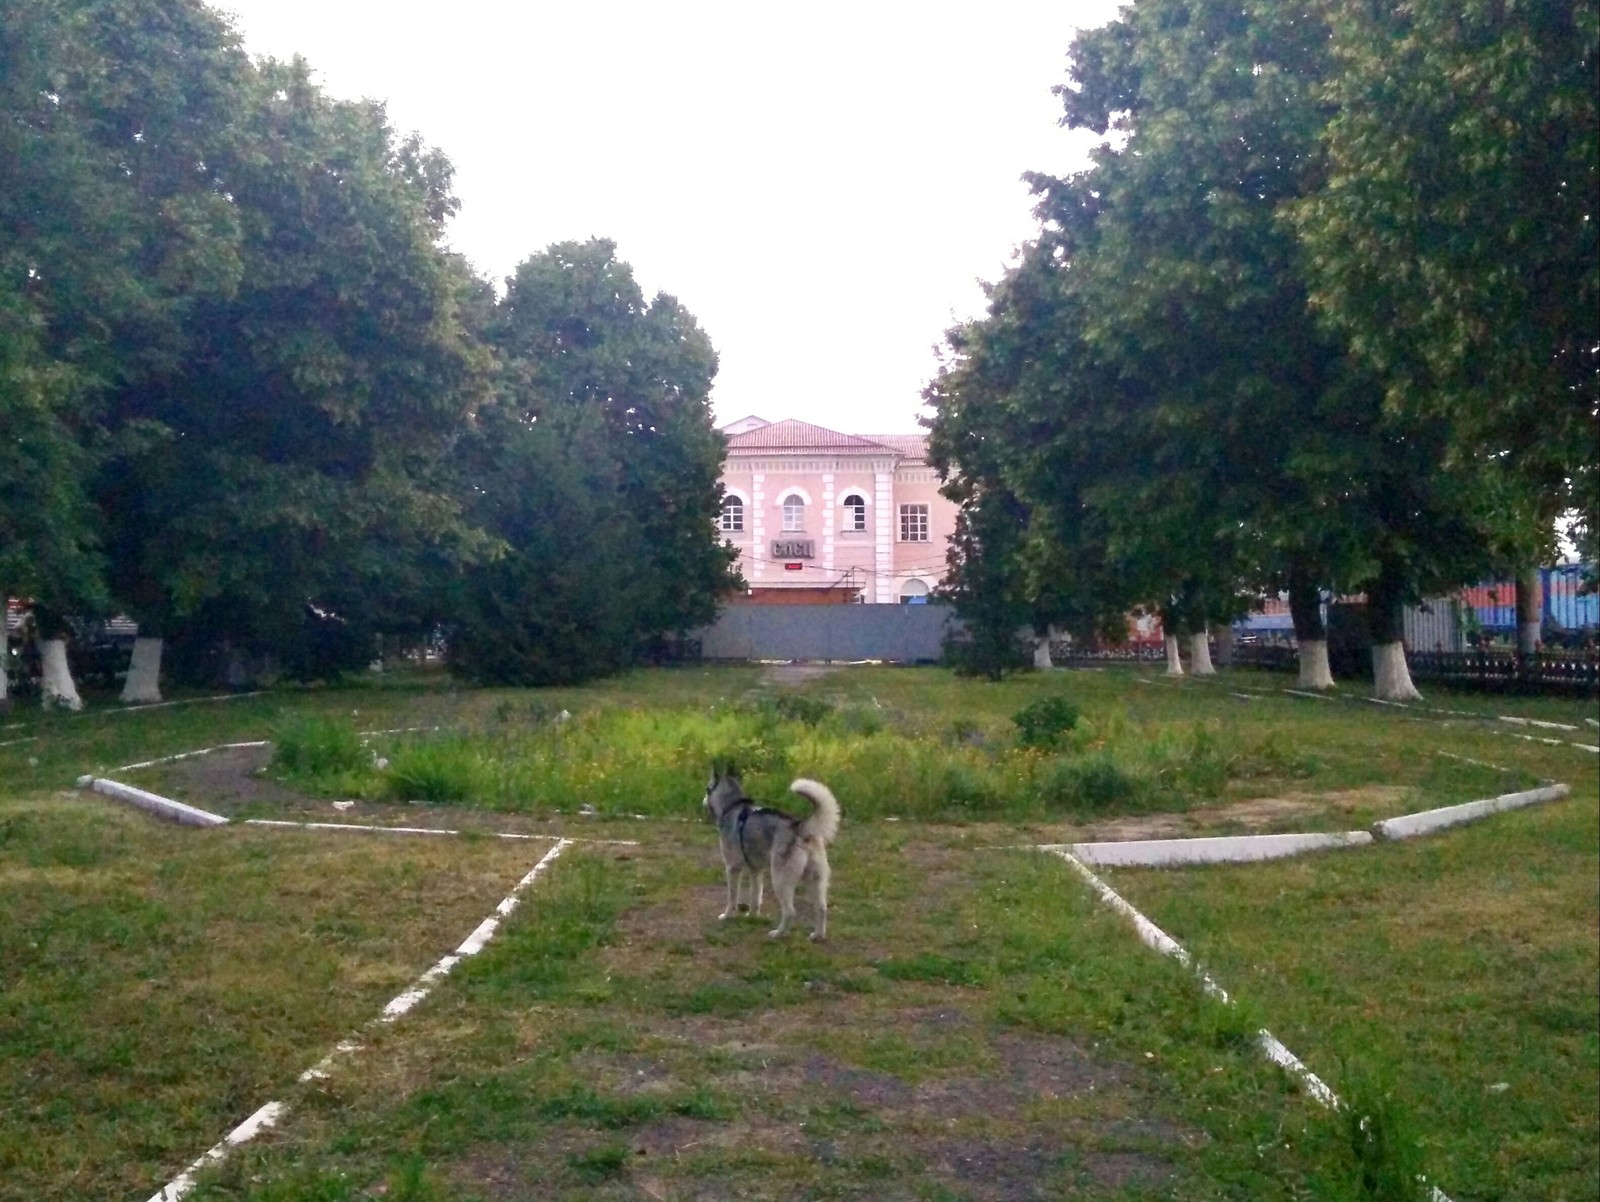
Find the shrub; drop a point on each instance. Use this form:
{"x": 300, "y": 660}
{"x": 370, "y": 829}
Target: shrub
{"x": 448, "y": 769}
{"x": 314, "y": 745}
{"x": 1096, "y": 782}
{"x": 1044, "y": 722}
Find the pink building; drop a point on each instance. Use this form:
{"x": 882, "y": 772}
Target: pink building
{"x": 819, "y": 516}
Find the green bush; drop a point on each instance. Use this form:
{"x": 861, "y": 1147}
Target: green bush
{"x": 444, "y": 769}
{"x": 1094, "y": 783}
{"x": 314, "y": 745}
{"x": 1043, "y": 723}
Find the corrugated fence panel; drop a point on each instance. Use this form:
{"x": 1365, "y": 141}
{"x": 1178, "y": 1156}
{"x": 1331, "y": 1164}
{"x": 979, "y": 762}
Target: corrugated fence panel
{"x": 902, "y": 633}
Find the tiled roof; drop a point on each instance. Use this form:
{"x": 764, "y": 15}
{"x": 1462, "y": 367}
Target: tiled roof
{"x": 791, "y": 435}
{"x": 912, "y": 447}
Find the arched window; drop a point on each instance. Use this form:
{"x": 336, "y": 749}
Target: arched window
{"x": 794, "y": 514}
{"x": 732, "y": 514}
{"x": 855, "y": 511}
{"x": 913, "y": 592}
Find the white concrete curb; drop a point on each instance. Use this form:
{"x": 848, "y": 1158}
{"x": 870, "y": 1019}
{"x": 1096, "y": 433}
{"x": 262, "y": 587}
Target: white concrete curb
{"x": 270, "y": 1114}
{"x": 1224, "y": 849}
{"x": 1153, "y": 936}
{"x": 161, "y": 807}
{"x": 188, "y": 755}
{"x": 1409, "y": 826}
{"x": 281, "y": 824}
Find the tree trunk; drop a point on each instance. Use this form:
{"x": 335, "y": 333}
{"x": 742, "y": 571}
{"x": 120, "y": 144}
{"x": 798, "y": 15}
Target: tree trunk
{"x": 144, "y": 673}
{"x": 1310, "y": 633}
{"x": 5, "y": 659}
{"x": 1225, "y": 646}
{"x": 57, "y": 688}
{"x": 1315, "y": 672}
{"x": 1200, "y": 653}
{"x": 1391, "y": 673}
{"x": 1174, "y": 659}
{"x": 1041, "y": 651}
{"x": 1530, "y": 610}
{"x": 1385, "y": 618}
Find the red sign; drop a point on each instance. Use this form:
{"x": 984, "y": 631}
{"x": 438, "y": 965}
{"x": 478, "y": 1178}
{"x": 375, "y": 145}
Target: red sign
{"x": 793, "y": 567}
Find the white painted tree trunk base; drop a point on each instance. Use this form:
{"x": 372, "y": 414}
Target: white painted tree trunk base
{"x": 1528, "y": 636}
{"x": 5, "y": 660}
{"x": 1200, "y": 655}
{"x": 57, "y": 688}
{"x": 1041, "y": 653}
{"x": 1391, "y": 673}
{"x": 144, "y": 673}
{"x": 1174, "y": 659}
{"x": 1314, "y": 670}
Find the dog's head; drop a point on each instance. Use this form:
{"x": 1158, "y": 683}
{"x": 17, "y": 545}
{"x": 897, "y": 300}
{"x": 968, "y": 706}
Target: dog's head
{"x": 723, "y": 790}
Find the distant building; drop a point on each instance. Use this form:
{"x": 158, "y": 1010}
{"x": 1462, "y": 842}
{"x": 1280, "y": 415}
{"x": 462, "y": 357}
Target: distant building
{"x": 821, "y": 517}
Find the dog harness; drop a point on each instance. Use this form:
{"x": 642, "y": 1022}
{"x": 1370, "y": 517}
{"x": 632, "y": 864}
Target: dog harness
{"x": 744, "y": 816}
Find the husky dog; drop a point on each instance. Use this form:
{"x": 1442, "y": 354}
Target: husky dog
{"x": 756, "y": 839}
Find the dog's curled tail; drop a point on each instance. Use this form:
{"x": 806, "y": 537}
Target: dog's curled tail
{"x": 822, "y": 823}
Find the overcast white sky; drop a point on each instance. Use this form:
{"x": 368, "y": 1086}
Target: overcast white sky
{"x": 821, "y": 184}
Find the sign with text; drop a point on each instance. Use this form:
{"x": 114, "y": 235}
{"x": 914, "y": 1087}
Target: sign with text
{"x": 794, "y": 548}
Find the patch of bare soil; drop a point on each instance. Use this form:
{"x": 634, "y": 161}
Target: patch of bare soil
{"x": 793, "y": 674}
{"x": 235, "y": 781}
{"x": 1255, "y": 814}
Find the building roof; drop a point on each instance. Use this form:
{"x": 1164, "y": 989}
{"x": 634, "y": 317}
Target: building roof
{"x": 792, "y": 435}
{"x": 913, "y": 447}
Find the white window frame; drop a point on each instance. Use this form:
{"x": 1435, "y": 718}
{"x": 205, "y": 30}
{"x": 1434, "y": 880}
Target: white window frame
{"x": 914, "y": 523}
{"x": 731, "y": 520}
{"x": 797, "y": 497}
{"x": 855, "y": 512}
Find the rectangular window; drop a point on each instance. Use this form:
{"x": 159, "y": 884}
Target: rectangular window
{"x": 913, "y": 523}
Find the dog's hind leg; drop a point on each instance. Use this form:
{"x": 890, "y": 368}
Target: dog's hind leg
{"x": 819, "y": 879}
{"x": 760, "y": 879}
{"x": 786, "y": 873}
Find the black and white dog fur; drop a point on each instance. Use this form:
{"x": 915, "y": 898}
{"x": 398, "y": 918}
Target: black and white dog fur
{"x": 757, "y": 839}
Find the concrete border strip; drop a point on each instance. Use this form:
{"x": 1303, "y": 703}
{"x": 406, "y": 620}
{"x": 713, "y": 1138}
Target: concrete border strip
{"x": 1308, "y": 693}
{"x": 17, "y": 742}
{"x": 272, "y": 1113}
{"x": 1546, "y": 742}
{"x": 1153, "y": 936}
{"x": 189, "y": 755}
{"x": 1534, "y": 722}
{"x": 1409, "y": 826}
{"x": 281, "y": 824}
{"x": 1223, "y": 849}
{"x": 154, "y": 803}
{"x": 1467, "y": 759}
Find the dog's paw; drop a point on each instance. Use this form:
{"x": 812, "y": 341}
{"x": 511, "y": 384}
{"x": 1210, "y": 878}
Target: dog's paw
{"x": 818, "y": 937}
{"x": 724, "y": 916}
{"x": 777, "y": 934}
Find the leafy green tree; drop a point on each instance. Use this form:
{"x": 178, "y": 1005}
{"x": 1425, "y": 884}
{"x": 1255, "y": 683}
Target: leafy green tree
{"x": 1454, "y": 241}
{"x": 597, "y": 467}
{"x": 112, "y": 221}
{"x": 288, "y": 459}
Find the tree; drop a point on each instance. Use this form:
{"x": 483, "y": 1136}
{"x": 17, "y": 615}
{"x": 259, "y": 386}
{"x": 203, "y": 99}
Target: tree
{"x": 597, "y": 466}
{"x": 288, "y": 458}
{"x": 1255, "y": 420}
{"x": 1454, "y": 242}
{"x": 111, "y": 221}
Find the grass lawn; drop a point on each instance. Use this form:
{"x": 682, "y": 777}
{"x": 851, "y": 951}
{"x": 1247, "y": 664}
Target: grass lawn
{"x": 975, "y": 1028}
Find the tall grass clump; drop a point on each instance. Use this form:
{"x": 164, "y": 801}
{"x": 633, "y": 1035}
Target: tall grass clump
{"x": 314, "y": 747}
{"x": 445, "y": 769}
